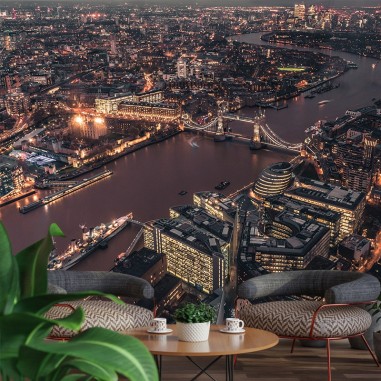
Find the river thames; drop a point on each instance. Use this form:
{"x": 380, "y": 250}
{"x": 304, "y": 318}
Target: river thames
{"x": 148, "y": 181}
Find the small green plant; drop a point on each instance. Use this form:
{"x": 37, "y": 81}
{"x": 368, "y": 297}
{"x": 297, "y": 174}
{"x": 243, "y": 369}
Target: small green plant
{"x": 195, "y": 313}
{"x": 25, "y": 354}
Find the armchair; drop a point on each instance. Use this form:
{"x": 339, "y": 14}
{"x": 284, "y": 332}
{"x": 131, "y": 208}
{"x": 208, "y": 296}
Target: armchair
{"x": 101, "y": 313}
{"x": 335, "y": 317}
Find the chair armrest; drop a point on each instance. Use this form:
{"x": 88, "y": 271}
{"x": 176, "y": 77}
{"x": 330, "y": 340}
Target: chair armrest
{"x": 335, "y": 286}
{"x": 108, "y": 282}
{"x": 364, "y": 289}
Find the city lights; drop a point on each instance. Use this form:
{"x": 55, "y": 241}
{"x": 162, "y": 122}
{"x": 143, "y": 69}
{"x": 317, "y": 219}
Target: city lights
{"x": 99, "y": 120}
{"x": 79, "y": 119}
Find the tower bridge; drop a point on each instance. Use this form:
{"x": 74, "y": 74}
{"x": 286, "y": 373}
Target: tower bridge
{"x": 262, "y": 133}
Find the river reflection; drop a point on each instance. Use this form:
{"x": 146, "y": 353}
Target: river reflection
{"x": 147, "y": 183}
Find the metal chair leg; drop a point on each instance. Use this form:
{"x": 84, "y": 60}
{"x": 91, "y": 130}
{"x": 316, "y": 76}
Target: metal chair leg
{"x": 329, "y": 358}
{"x": 292, "y": 346}
{"x": 370, "y": 350}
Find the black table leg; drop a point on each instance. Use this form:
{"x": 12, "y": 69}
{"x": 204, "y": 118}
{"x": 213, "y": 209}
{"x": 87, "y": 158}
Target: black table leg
{"x": 229, "y": 368}
{"x": 158, "y": 360}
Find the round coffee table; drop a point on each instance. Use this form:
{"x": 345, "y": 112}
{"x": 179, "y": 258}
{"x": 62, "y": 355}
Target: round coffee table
{"x": 219, "y": 344}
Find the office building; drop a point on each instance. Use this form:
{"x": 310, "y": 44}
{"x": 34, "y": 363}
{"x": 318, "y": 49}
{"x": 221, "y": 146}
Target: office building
{"x": 300, "y": 11}
{"x": 193, "y": 255}
{"x": 216, "y": 204}
{"x": 324, "y": 216}
{"x": 110, "y": 105}
{"x": 350, "y": 204}
{"x": 11, "y": 178}
{"x": 144, "y": 110}
{"x": 354, "y": 248}
{"x": 284, "y": 242}
{"x": 273, "y": 180}
{"x": 144, "y": 263}
{"x": 17, "y": 103}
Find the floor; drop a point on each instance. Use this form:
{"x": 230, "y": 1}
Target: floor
{"x": 278, "y": 364}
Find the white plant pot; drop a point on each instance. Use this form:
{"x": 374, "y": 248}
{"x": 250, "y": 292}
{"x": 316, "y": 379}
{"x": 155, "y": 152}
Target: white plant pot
{"x": 193, "y": 332}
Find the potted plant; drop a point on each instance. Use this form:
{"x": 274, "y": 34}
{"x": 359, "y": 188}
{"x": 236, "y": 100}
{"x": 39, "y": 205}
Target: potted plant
{"x": 25, "y": 354}
{"x": 193, "y": 321}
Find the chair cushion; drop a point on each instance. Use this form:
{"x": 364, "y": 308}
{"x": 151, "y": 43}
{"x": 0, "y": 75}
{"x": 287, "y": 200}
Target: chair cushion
{"x": 293, "y": 318}
{"x": 100, "y": 313}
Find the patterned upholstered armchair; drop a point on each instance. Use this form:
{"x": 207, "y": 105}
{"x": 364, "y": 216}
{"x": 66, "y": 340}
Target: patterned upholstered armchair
{"x": 337, "y": 315}
{"x": 101, "y": 313}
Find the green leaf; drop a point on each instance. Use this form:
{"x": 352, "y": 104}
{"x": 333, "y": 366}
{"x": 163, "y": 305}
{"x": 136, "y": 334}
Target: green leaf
{"x": 55, "y": 231}
{"x": 125, "y": 354}
{"x": 35, "y": 364}
{"x": 9, "y": 287}
{"x": 33, "y": 262}
{"x": 9, "y": 370}
{"x": 100, "y": 372}
{"x": 22, "y": 328}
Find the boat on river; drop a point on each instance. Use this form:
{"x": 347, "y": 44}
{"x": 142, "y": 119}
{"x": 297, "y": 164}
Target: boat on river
{"x": 90, "y": 241}
{"x": 222, "y": 185}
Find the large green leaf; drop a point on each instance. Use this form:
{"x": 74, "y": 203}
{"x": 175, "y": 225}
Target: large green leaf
{"x": 9, "y": 287}
{"x": 97, "y": 370}
{"x": 125, "y": 354}
{"x": 33, "y": 262}
{"x": 36, "y": 365}
{"x": 9, "y": 370}
{"x": 21, "y": 328}
{"x": 42, "y": 303}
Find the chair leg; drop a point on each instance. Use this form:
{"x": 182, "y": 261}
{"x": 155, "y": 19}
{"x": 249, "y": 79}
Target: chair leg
{"x": 370, "y": 350}
{"x": 292, "y": 346}
{"x": 329, "y": 358}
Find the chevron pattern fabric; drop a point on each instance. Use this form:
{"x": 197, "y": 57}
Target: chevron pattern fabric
{"x": 100, "y": 313}
{"x": 293, "y": 318}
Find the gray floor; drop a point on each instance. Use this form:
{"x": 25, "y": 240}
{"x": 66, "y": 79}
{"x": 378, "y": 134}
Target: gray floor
{"x": 278, "y": 364}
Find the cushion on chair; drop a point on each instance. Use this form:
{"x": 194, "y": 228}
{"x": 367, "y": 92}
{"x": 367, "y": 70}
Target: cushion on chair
{"x": 293, "y": 318}
{"x": 100, "y": 313}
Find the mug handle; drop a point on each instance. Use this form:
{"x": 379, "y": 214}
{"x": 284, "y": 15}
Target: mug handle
{"x": 241, "y": 324}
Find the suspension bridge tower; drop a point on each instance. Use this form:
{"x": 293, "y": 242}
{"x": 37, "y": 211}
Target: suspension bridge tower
{"x": 220, "y": 133}
{"x": 255, "y": 142}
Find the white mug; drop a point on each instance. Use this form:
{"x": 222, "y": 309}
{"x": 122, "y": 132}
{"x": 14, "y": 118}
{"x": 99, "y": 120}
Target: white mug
{"x": 158, "y": 324}
{"x": 233, "y": 325}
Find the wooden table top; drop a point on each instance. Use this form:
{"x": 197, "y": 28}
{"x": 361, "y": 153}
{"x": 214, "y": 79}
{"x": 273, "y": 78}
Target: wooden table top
{"x": 218, "y": 344}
